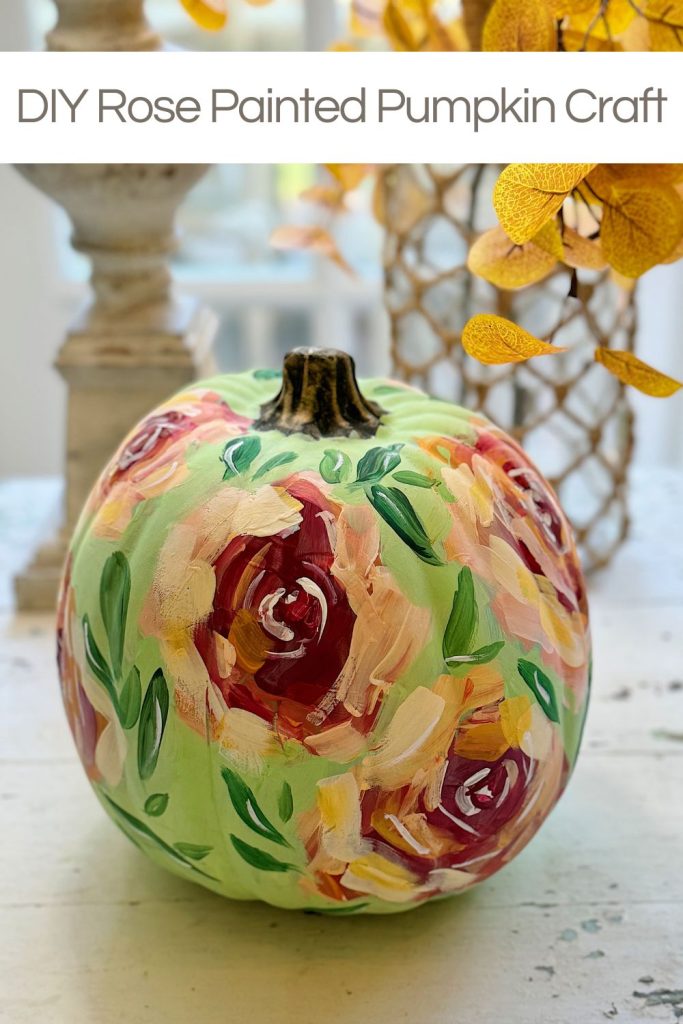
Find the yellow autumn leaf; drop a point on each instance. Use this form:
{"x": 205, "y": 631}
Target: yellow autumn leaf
{"x": 665, "y": 18}
{"x": 313, "y": 238}
{"x": 527, "y": 196}
{"x": 549, "y": 239}
{"x": 407, "y": 23}
{"x": 676, "y": 254}
{"x": 519, "y": 25}
{"x": 636, "y": 38}
{"x": 209, "y": 14}
{"x": 573, "y": 41}
{"x": 506, "y": 265}
{"x": 349, "y": 176}
{"x": 564, "y": 8}
{"x": 493, "y": 340}
{"x": 604, "y": 20}
{"x": 582, "y": 253}
{"x": 630, "y": 370}
{"x": 450, "y": 36}
{"x": 604, "y": 177}
{"x": 640, "y": 227}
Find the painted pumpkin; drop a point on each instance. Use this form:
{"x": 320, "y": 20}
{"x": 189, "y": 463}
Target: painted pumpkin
{"x": 321, "y": 646}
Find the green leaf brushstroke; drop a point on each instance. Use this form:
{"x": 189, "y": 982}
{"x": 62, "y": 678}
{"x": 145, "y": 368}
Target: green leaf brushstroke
{"x": 335, "y": 466}
{"x": 479, "y": 657}
{"x": 156, "y": 804}
{"x": 277, "y": 460}
{"x": 96, "y": 661}
{"x": 247, "y": 808}
{"x": 396, "y": 510}
{"x": 193, "y": 850}
{"x": 259, "y": 858}
{"x": 130, "y": 699}
{"x": 267, "y": 374}
{"x": 541, "y": 687}
{"x": 114, "y": 597}
{"x": 377, "y": 462}
{"x": 414, "y": 479}
{"x": 152, "y": 724}
{"x": 285, "y": 804}
{"x": 464, "y": 618}
{"x": 144, "y": 830}
{"x": 238, "y": 455}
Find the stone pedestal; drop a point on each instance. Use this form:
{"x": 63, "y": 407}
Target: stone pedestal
{"x": 102, "y": 25}
{"x": 135, "y": 342}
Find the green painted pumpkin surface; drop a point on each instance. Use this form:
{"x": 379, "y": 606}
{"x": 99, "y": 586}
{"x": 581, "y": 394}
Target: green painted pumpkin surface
{"x": 342, "y": 673}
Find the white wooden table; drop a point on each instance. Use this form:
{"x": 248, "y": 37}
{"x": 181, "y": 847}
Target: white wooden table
{"x": 585, "y": 926}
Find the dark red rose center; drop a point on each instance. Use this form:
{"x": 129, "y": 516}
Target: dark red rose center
{"x": 478, "y": 797}
{"x": 285, "y": 614}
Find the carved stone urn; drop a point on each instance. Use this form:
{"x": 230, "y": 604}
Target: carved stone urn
{"x": 135, "y": 341}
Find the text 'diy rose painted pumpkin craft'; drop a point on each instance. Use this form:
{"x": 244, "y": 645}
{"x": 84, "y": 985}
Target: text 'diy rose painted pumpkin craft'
{"x": 324, "y": 646}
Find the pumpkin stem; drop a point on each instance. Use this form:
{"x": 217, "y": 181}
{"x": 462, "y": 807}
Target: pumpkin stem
{"x": 320, "y": 397}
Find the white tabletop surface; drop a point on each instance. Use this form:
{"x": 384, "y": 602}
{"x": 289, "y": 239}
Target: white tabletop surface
{"x": 585, "y": 926}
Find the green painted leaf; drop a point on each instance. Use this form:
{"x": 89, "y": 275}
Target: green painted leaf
{"x": 541, "y": 687}
{"x": 259, "y": 858}
{"x": 130, "y": 699}
{"x": 277, "y": 460}
{"x": 96, "y": 662}
{"x": 463, "y": 620}
{"x": 414, "y": 479}
{"x": 247, "y": 808}
{"x": 114, "y": 596}
{"x": 388, "y": 389}
{"x": 239, "y": 453}
{"x": 340, "y": 911}
{"x": 285, "y": 804}
{"x": 395, "y": 509}
{"x": 377, "y": 462}
{"x": 335, "y": 466}
{"x": 267, "y": 374}
{"x": 480, "y": 657}
{"x": 152, "y": 724}
{"x": 193, "y": 851}
{"x": 141, "y": 829}
{"x": 156, "y": 804}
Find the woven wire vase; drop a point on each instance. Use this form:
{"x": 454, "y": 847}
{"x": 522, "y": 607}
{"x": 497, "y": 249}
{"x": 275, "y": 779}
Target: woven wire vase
{"x": 572, "y": 417}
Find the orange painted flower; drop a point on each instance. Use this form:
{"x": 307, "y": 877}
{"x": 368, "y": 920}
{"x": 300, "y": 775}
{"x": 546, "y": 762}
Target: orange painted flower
{"x": 508, "y": 527}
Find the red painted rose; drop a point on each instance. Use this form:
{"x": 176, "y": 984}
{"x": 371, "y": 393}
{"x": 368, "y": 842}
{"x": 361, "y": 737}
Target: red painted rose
{"x": 285, "y": 616}
{"x": 479, "y": 798}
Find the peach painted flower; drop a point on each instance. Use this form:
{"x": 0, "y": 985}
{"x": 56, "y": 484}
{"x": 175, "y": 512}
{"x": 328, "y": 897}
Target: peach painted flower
{"x": 152, "y": 459}
{"x": 273, "y": 607}
{"x": 509, "y": 529}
